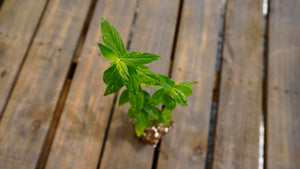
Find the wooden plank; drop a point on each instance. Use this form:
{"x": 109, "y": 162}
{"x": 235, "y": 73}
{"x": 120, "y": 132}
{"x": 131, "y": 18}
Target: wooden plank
{"x": 154, "y": 32}
{"x": 240, "y": 100}
{"x": 16, "y": 30}
{"x": 29, "y": 113}
{"x": 80, "y": 133}
{"x": 283, "y": 89}
{"x": 195, "y": 57}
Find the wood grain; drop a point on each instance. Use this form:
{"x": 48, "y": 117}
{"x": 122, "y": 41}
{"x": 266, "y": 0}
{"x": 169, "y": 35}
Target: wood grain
{"x": 195, "y": 56}
{"x": 16, "y": 30}
{"x": 154, "y": 32}
{"x": 28, "y": 115}
{"x": 240, "y": 99}
{"x": 82, "y": 126}
{"x": 283, "y": 89}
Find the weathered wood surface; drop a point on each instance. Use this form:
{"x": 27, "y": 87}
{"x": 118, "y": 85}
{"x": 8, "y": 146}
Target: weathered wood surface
{"x": 17, "y": 26}
{"x": 240, "y": 99}
{"x": 154, "y": 32}
{"x": 80, "y": 133}
{"x": 29, "y": 112}
{"x": 195, "y": 58}
{"x": 283, "y": 89}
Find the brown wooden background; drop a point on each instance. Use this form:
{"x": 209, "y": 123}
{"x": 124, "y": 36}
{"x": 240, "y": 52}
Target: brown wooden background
{"x": 245, "y": 108}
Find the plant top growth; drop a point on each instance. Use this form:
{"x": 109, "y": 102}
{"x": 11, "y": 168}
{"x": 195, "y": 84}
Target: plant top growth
{"x": 128, "y": 69}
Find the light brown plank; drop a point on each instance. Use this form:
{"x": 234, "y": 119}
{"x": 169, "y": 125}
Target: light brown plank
{"x": 283, "y": 89}
{"x": 240, "y": 100}
{"x": 16, "y": 30}
{"x": 27, "y": 118}
{"x": 154, "y": 32}
{"x": 196, "y": 51}
{"x": 79, "y": 137}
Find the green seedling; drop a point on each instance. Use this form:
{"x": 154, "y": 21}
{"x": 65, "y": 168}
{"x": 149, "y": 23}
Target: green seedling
{"x": 128, "y": 69}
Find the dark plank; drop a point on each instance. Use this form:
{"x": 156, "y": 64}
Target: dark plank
{"x": 29, "y": 113}
{"x": 186, "y": 145}
{"x": 16, "y": 30}
{"x": 154, "y": 32}
{"x": 283, "y": 89}
{"x": 240, "y": 100}
{"x": 79, "y": 136}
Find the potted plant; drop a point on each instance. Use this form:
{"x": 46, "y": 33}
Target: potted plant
{"x": 128, "y": 69}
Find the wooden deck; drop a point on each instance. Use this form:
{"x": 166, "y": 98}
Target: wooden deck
{"x": 53, "y": 113}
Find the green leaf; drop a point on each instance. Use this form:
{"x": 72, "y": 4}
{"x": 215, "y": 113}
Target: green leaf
{"x": 187, "y": 91}
{"x": 167, "y": 116}
{"x": 151, "y": 111}
{"x": 146, "y": 97}
{"x": 113, "y": 80}
{"x": 169, "y": 102}
{"x": 157, "y": 97}
{"x": 123, "y": 70}
{"x": 132, "y": 113}
{"x": 189, "y": 84}
{"x": 166, "y": 82}
{"x": 111, "y": 37}
{"x": 108, "y": 53}
{"x": 124, "y": 97}
{"x": 136, "y": 100}
{"x": 142, "y": 122}
{"x": 139, "y": 58}
{"x": 179, "y": 97}
{"x": 147, "y": 77}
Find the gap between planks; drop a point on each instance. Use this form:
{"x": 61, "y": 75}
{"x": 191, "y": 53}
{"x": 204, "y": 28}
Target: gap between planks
{"x": 174, "y": 45}
{"x": 64, "y": 93}
{"x": 117, "y": 94}
{"x": 24, "y": 58}
{"x": 216, "y": 89}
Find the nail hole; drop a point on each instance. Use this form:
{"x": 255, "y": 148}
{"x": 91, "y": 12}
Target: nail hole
{"x": 59, "y": 49}
{"x": 3, "y": 73}
{"x": 41, "y": 43}
{"x": 179, "y": 69}
{"x": 275, "y": 88}
{"x": 241, "y": 81}
{"x": 286, "y": 91}
{"x": 229, "y": 80}
{"x": 250, "y": 83}
{"x": 6, "y": 35}
{"x": 188, "y": 72}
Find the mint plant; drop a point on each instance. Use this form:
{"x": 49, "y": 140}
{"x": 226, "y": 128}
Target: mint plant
{"x": 128, "y": 69}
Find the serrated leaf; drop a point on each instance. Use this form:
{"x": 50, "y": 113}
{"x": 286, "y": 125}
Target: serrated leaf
{"x": 147, "y": 77}
{"x": 157, "y": 97}
{"x": 142, "y": 122}
{"x": 187, "y": 91}
{"x": 136, "y": 100}
{"x": 151, "y": 111}
{"x": 169, "y": 102}
{"x": 108, "y": 53}
{"x": 123, "y": 70}
{"x": 124, "y": 98}
{"x": 179, "y": 97}
{"x": 132, "y": 113}
{"x": 167, "y": 116}
{"x": 139, "y": 58}
{"x": 146, "y": 97}
{"x": 166, "y": 82}
{"x": 189, "y": 84}
{"x": 113, "y": 80}
{"x": 112, "y": 38}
